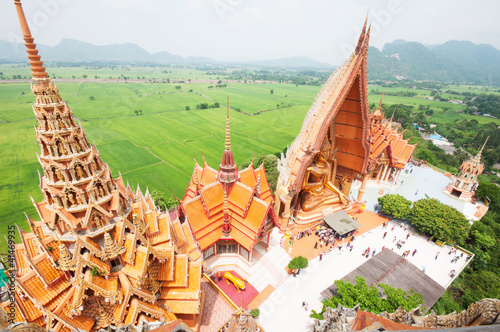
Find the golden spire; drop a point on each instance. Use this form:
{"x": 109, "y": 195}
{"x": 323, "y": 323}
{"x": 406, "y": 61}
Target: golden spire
{"x": 478, "y": 156}
{"x": 228, "y": 134}
{"x": 378, "y": 111}
{"x": 196, "y": 180}
{"x": 37, "y": 68}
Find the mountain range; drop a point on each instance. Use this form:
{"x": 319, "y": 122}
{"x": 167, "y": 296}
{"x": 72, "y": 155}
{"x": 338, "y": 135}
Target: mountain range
{"x": 453, "y": 61}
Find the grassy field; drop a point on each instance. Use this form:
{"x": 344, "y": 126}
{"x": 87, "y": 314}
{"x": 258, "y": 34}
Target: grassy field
{"x": 156, "y": 149}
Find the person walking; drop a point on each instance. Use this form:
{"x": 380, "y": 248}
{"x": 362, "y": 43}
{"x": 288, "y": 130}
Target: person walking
{"x": 437, "y": 255}
{"x": 316, "y": 245}
{"x": 320, "y": 257}
{"x": 414, "y": 252}
{"x": 383, "y": 237}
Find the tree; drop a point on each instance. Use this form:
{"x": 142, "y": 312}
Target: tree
{"x": 368, "y": 298}
{"x": 91, "y": 97}
{"x": 178, "y": 87}
{"x": 299, "y": 262}
{"x": 272, "y": 91}
{"x": 187, "y": 108}
{"x": 395, "y": 205}
{"x": 439, "y": 220}
{"x": 84, "y": 76}
{"x": 255, "y": 312}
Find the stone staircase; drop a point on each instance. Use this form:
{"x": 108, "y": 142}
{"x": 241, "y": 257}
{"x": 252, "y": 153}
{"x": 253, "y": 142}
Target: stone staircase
{"x": 269, "y": 267}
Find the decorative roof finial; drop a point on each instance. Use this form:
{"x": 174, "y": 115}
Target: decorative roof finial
{"x": 478, "y": 156}
{"x": 37, "y": 69}
{"x": 226, "y": 227}
{"x": 228, "y": 133}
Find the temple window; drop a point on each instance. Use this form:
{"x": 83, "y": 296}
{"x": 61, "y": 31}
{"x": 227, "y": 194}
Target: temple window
{"x": 227, "y": 248}
{"x": 209, "y": 252}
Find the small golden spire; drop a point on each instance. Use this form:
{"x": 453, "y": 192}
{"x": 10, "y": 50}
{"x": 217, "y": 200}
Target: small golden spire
{"x": 228, "y": 134}
{"x": 482, "y": 148}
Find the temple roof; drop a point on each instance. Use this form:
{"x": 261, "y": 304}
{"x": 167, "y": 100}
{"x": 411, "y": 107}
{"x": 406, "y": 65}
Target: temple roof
{"x": 340, "y": 109}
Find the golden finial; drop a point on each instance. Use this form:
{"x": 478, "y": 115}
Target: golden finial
{"x": 228, "y": 134}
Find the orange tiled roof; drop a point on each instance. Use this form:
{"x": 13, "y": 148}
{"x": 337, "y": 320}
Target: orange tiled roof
{"x": 248, "y": 176}
{"x": 151, "y": 222}
{"x": 182, "y": 306}
{"x": 166, "y": 271}
{"x": 191, "y": 292}
{"x": 239, "y": 198}
{"x": 47, "y": 271}
{"x": 265, "y": 190}
{"x": 163, "y": 234}
{"x": 36, "y": 288}
{"x": 180, "y": 272}
{"x": 77, "y": 321}
{"x": 212, "y": 196}
{"x": 208, "y": 176}
{"x": 180, "y": 239}
{"x": 22, "y": 264}
{"x": 28, "y": 309}
{"x": 136, "y": 271}
{"x": 192, "y": 248}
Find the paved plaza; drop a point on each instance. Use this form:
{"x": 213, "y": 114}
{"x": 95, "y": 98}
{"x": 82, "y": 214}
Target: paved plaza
{"x": 283, "y": 311}
{"x": 421, "y": 182}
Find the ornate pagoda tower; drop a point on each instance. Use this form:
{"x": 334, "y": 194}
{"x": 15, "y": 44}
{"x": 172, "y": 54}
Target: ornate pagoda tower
{"x": 464, "y": 184}
{"x": 101, "y": 254}
{"x": 331, "y": 149}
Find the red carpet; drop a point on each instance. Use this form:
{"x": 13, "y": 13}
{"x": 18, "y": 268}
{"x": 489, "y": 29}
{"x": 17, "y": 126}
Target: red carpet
{"x": 250, "y": 292}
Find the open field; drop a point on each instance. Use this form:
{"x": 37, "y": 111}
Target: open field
{"x": 155, "y": 149}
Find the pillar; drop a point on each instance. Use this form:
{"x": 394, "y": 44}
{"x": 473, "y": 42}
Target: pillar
{"x": 361, "y": 191}
{"x": 386, "y": 167}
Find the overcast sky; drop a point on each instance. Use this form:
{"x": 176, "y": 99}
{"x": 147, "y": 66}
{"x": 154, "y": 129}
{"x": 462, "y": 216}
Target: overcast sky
{"x": 240, "y": 30}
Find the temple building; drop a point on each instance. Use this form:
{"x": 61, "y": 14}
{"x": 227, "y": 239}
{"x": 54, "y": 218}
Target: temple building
{"x": 389, "y": 151}
{"x": 101, "y": 254}
{"x": 464, "y": 184}
{"x": 332, "y": 148}
{"x": 229, "y": 211}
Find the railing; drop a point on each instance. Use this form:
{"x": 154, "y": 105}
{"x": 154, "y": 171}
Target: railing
{"x": 211, "y": 282}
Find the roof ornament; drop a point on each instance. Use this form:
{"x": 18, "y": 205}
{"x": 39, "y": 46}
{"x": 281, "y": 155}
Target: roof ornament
{"x": 226, "y": 227}
{"x": 228, "y": 133}
{"x": 65, "y": 261}
{"x": 258, "y": 184}
{"x": 111, "y": 248}
{"x": 478, "y": 156}
{"x": 37, "y": 70}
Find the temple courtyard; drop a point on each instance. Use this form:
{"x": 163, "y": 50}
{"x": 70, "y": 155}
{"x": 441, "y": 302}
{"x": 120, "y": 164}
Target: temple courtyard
{"x": 275, "y": 311}
{"x": 433, "y": 260}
